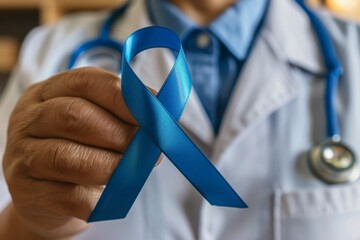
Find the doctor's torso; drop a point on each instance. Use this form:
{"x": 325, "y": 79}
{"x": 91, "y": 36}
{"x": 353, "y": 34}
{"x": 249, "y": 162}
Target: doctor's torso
{"x": 274, "y": 116}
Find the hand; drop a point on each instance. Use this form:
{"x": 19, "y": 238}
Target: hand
{"x": 65, "y": 138}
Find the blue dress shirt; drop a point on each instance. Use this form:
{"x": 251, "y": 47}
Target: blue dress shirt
{"x": 215, "y": 52}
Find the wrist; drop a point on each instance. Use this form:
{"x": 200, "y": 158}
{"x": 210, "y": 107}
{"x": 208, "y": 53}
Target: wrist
{"x": 12, "y": 226}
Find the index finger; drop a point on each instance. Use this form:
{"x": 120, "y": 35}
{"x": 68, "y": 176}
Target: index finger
{"x": 93, "y": 84}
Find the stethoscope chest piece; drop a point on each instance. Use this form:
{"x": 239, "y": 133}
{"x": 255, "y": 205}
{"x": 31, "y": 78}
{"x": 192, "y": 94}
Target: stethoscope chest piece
{"x": 334, "y": 162}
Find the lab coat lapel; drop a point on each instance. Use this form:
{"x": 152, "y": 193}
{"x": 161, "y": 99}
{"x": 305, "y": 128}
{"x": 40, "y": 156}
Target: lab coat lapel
{"x": 266, "y": 82}
{"x": 264, "y": 86}
{"x": 153, "y": 67}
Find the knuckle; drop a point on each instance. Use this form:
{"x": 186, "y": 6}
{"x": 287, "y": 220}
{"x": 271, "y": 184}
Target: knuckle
{"x": 122, "y": 134}
{"x": 78, "y": 201}
{"x": 40, "y": 112}
{"x": 103, "y": 164}
{"x": 45, "y": 88}
{"x": 63, "y": 161}
{"x": 82, "y": 79}
{"x": 21, "y": 159}
{"x": 75, "y": 80}
{"x": 71, "y": 116}
{"x": 22, "y": 118}
{"x": 28, "y": 152}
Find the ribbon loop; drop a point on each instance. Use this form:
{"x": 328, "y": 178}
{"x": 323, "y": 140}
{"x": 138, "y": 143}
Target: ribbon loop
{"x": 159, "y": 132}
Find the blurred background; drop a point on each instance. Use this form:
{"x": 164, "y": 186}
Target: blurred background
{"x": 18, "y": 17}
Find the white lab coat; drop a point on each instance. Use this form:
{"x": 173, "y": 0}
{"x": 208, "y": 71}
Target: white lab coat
{"x": 274, "y": 116}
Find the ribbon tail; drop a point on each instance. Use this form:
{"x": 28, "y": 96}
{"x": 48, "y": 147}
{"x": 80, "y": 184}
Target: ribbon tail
{"x": 170, "y": 138}
{"x": 199, "y": 171}
{"x": 127, "y": 180}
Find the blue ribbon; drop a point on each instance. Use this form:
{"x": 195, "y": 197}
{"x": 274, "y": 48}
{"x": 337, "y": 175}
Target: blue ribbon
{"x": 159, "y": 132}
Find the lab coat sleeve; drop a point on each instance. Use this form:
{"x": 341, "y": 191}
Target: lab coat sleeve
{"x": 23, "y": 75}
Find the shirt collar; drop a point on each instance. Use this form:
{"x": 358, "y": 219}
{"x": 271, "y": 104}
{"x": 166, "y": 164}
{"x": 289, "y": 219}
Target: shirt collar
{"x": 289, "y": 31}
{"x": 235, "y": 27}
{"x": 165, "y": 14}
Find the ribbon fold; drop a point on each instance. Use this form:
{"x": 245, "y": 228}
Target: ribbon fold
{"x": 159, "y": 132}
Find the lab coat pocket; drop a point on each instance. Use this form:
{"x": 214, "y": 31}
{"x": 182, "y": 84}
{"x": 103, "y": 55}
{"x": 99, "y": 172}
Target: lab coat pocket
{"x": 330, "y": 213}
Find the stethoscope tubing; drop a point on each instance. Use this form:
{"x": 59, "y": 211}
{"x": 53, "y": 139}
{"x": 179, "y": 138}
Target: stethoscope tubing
{"x": 103, "y": 40}
{"x": 334, "y": 71}
{"x": 109, "y": 22}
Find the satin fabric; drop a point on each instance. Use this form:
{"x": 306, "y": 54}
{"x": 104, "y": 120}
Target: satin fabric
{"x": 159, "y": 132}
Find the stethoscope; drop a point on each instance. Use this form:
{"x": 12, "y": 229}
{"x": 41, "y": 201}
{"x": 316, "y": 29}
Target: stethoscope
{"x": 331, "y": 161}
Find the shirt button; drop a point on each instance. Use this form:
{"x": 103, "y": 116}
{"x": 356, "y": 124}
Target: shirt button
{"x": 203, "y": 40}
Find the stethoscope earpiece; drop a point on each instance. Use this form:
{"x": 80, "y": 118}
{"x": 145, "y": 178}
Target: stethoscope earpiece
{"x": 334, "y": 162}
